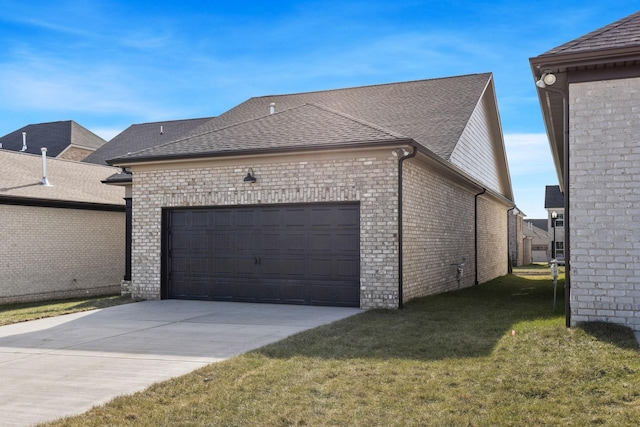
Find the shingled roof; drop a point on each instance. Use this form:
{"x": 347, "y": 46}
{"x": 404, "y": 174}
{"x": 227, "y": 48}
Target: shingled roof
{"x": 610, "y": 52}
{"x": 623, "y": 33}
{"x": 55, "y": 136}
{"x": 434, "y": 113}
{"x": 141, "y": 136}
{"x": 70, "y": 181}
{"x": 553, "y": 197}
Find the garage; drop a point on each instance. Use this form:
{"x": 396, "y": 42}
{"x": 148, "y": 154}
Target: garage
{"x": 288, "y": 254}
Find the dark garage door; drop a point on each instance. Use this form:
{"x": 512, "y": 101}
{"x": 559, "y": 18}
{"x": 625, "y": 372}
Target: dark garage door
{"x": 292, "y": 254}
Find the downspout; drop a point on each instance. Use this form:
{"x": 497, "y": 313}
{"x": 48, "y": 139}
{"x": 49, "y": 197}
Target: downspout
{"x": 400, "y": 249}
{"x": 475, "y": 232}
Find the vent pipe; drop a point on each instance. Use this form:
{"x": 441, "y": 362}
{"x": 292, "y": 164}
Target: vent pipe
{"x": 161, "y": 130}
{"x": 44, "y": 181}
{"x": 272, "y": 108}
{"x": 24, "y": 141}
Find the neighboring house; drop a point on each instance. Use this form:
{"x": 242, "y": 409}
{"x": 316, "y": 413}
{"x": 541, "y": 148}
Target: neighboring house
{"x": 63, "y": 140}
{"x": 365, "y": 196}
{"x": 519, "y": 244}
{"x": 144, "y": 135}
{"x": 554, "y": 204}
{"x": 589, "y": 90}
{"x": 536, "y": 230}
{"x": 135, "y": 138}
{"x": 62, "y": 240}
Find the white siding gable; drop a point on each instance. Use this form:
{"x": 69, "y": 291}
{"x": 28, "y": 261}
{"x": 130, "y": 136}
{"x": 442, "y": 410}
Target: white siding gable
{"x": 480, "y": 151}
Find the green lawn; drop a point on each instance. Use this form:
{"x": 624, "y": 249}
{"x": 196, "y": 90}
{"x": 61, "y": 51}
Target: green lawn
{"x": 492, "y": 355}
{"x": 14, "y": 313}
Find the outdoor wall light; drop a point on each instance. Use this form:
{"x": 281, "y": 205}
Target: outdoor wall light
{"x": 400, "y": 151}
{"x": 250, "y": 178}
{"x": 547, "y": 79}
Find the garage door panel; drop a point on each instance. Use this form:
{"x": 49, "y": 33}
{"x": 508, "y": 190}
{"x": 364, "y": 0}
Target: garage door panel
{"x": 296, "y": 254}
{"x": 347, "y": 269}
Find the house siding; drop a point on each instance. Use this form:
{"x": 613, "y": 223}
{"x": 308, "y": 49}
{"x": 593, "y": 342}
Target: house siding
{"x": 492, "y": 239}
{"x": 438, "y": 232}
{"x": 476, "y": 153}
{"x": 368, "y": 178}
{"x": 605, "y": 206}
{"x": 50, "y": 253}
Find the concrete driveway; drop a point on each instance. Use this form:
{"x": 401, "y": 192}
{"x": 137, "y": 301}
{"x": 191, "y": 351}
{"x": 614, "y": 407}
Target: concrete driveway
{"x": 65, "y": 365}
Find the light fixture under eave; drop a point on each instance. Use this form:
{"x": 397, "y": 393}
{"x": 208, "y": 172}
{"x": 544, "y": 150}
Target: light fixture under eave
{"x": 547, "y": 79}
{"x": 250, "y": 178}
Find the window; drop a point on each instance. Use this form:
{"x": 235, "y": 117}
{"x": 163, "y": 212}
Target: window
{"x": 559, "y": 220}
{"x": 559, "y": 250}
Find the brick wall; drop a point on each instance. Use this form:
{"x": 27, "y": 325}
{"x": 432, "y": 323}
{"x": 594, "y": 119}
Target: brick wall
{"x": 492, "y": 239}
{"x": 438, "y": 232}
{"x": 368, "y": 178}
{"x": 605, "y": 201}
{"x": 50, "y": 253}
{"x": 438, "y": 216}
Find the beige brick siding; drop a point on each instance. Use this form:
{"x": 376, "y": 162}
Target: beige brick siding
{"x": 438, "y": 232}
{"x": 370, "y": 179}
{"x": 492, "y": 239}
{"x": 439, "y": 216}
{"x": 605, "y": 202}
{"x": 49, "y": 253}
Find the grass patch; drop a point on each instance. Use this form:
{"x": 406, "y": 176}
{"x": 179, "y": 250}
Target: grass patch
{"x": 14, "y": 313}
{"x": 491, "y": 355}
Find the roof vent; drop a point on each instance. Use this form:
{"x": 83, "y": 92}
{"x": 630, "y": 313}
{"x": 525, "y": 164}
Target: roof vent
{"x": 272, "y": 108}
{"x": 161, "y": 130}
{"x": 44, "y": 181}
{"x": 24, "y": 141}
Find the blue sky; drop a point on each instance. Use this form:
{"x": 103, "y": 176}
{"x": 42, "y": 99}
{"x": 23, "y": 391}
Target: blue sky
{"x": 109, "y": 64}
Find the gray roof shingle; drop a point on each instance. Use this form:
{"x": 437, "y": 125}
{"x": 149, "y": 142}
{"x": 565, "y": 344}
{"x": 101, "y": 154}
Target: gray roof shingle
{"x": 620, "y": 34}
{"x": 433, "y": 113}
{"x": 306, "y": 125}
{"x": 540, "y": 223}
{"x": 70, "y": 181}
{"x": 553, "y": 197}
{"x": 141, "y": 136}
{"x": 55, "y": 136}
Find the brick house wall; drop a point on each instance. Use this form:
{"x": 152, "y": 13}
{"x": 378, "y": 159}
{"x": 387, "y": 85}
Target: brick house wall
{"x": 50, "y": 253}
{"x": 605, "y": 201}
{"x": 492, "y": 239}
{"x": 516, "y": 240}
{"x": 438, "y": 223}
{"x": 369, "y": 178}
{"x": 438, "y": 215}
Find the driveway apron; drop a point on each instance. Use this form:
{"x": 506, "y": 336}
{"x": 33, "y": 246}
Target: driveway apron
{"x": 65, "y": 365}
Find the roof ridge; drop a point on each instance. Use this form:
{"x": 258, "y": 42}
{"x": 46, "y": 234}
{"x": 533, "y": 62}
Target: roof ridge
{"x": 361, "y": 121}
{"x": 186, "y": 137}
{"x": 371, "y": 86}
{"x": 173, "y": 120}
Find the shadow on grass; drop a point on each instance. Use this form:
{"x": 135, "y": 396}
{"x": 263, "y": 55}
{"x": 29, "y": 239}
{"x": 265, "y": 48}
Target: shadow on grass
{"x": 460, "y": 324}
{"x": 620, "y": 336}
